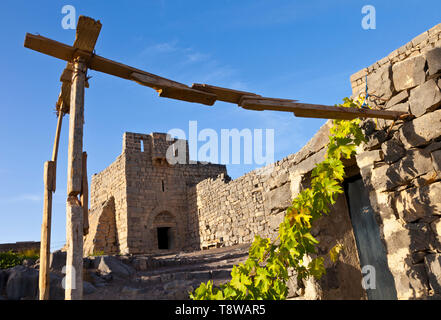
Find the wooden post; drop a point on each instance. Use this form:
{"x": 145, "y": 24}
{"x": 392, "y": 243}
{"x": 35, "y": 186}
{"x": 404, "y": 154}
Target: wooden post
{"x": 74, "y": 210}
{"x": 57, "y": 136}
{"x": 74, "y": 260}
{"x": 85, "y": 196}
{"x": 49, "y": 173}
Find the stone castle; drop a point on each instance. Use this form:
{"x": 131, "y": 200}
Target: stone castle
{"x": 388, "y": 218}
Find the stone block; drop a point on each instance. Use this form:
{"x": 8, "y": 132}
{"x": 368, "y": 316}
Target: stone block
{"x": 415, "y": 163}
{"x": 380, "y": 82}
{"x": 111, "y": 265}
{"x": 308, "y": 164}
{"x": 436, "y": 227}
{"x": 279, "y": 198}
{"x": 409, "y": 73}
{"x": 409, "y": 238}
{"x": 433, "y": 58}
{"x": 411, "y": 283}
{"x": 420, "y": 39}
{"x": 433, "y": 268}
{"x": 400, "y": 97}
{"x": 57, "y": 260}
{"x": 404, "y": 107}
{"x": 368, "y": 158}
{"x": 436, "y": 160}
{"x": 425, "y": 98}
{"x": 421, "y": 130}
{"x": 381, "y": 203}
{"x": 275, "y": 220}
{"x": 22, "y": 283}
{"x": 416, "y": 203}
{"x": 358, "y": 75}
{"x": 375, "y": 140}
{"x": 393, "y": 150}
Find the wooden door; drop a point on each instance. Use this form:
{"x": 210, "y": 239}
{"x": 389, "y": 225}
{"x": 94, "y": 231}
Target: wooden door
{"x": 371, "y": 251}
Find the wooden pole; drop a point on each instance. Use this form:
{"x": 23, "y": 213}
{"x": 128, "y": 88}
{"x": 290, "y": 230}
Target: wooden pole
{"x": 74, "y": 210}
{"x": 57, "y": 136}
{"x": 49, "y": 174}
{"x": 85, "y": 196}
{"x": 50, "y": 169}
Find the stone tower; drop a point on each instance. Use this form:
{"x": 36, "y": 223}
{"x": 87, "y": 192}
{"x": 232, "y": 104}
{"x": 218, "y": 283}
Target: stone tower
{"x": 139, "y": 203}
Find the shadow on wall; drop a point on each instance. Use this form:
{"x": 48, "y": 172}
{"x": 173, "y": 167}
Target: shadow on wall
{"x": 401, "y": 193}
{"x": 103, "y": 230}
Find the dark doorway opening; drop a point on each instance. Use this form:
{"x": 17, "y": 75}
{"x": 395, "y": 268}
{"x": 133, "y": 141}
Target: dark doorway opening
{"x": 164, "y": 238}
{"x": 371, "y": 251}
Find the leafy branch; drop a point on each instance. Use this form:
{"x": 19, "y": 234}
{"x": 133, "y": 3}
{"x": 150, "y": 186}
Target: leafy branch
{"x": 264, "y": 275}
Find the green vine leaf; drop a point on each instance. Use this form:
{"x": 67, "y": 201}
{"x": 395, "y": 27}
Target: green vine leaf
{"x": 264, "y": 275}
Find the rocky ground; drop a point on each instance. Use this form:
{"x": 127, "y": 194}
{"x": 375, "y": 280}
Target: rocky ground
{"x": 133, "y": 277}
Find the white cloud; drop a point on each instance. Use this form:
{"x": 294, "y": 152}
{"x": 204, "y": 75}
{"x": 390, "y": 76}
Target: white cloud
{"x": 23, "y": 197}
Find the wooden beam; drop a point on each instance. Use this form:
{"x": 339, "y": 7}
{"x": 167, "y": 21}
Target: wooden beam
{"x": 44, "y": 281}
{"x": 223, "y": 94}
{"x": 316, "y": 111}
{"x": 168, "y": 89}
{"x": 95, "y": 62}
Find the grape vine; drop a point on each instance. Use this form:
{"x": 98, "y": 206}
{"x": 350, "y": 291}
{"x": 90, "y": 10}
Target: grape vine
{"x": 264, "y": 275}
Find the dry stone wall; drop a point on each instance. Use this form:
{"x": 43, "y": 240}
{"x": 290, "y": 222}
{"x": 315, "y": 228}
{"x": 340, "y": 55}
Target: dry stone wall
{"x": 401, "y": 161}
{"x": 108, "y": 186}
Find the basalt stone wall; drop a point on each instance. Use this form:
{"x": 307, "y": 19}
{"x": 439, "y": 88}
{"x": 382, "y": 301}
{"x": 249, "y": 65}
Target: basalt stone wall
{"x": 109, "y": 185}
{"x": 20, "y": 246}
{"x": 141, "y": 192}
{"x": 401, "y": 162}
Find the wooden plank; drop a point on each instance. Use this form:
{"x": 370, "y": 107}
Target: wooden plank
{"x": 63, "y": 101}
{"x": 85, "y": 196}
{"x": 188, "y": 95}
{"x": 87, "y": 33}
{"x": 223, "y": 94}
{"x": 44, "y": 280}
{"x": 66, "y": 76}
{"x": 317, "y": 111}
{"x": 174, "y": 91}
{"x": 74, "y": 256}
{"x": 76, "y": 120}
{"x": 95, "y": 62}
{"x": 155, "y": 82}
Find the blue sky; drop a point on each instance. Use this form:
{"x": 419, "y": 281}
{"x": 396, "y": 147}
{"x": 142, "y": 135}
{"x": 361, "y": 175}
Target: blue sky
{"x": 303, "y": 50}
